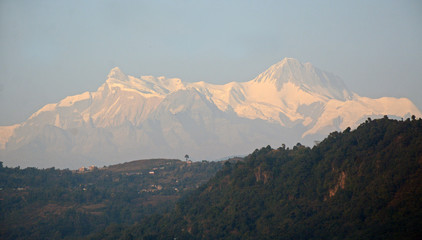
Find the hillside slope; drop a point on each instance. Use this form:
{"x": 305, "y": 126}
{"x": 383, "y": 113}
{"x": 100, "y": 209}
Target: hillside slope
{"x": 361, "y": 184}
{"x": 64, "y": 204}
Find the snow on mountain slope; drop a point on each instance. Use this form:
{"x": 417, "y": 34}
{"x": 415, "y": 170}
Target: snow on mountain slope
{"x": 305, "y": 76}
{"x": 5, "y": 133}
{"x": 120, "y": 99}
{"x": 145, "y": 85}
{"x": 339, "y": 115}
{"x": 131, "y": 118}
{"x": 276, "y": 94}
{"x": 190, "y": 121}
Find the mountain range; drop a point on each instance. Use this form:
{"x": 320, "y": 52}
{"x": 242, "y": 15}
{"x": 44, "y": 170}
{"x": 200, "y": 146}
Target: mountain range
{"x": 148, "y": 117}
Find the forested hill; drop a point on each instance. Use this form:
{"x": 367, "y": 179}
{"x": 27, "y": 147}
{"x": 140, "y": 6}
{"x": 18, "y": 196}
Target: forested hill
{"x": 63, "y": 204}
{"x": 361, "y": 184}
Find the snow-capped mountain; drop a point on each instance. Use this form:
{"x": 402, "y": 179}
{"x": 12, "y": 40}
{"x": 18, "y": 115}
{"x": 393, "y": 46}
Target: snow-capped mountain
{"x": 132, "y": 118}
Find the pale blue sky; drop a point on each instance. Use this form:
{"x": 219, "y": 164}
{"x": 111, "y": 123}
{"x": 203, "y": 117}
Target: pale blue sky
{"x": 52, "y": 49}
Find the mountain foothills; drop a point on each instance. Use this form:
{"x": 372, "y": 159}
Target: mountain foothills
{"x": 361, "y": 184}
{"x": 150, "y": 117}
{"x": 63, "y": 204}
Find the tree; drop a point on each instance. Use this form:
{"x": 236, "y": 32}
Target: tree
{"x": 187, "y": 157}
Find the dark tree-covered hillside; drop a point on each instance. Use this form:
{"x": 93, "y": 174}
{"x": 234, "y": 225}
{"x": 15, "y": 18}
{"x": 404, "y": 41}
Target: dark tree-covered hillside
{"x": 360, "y": 184}
{"x": 63, "y": 204}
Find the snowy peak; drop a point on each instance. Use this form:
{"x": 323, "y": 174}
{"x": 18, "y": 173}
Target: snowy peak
{"x": 305, "y": 76}
{"x": 149, "y": 117}
{"x": 287, "y": 70}
{"x": 117, "y": 74}
{"x": 148, "y": 86}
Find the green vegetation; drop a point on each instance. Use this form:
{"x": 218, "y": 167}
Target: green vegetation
{"x": 361, "y": 184}
{"x": 64, "y": 204}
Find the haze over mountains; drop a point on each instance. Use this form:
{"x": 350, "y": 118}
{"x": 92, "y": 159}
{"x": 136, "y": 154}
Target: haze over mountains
{"x": 132, "y": 118}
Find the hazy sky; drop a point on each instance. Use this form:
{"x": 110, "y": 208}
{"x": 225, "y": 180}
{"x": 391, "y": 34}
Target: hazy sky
{"x": 52, "y": 49}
